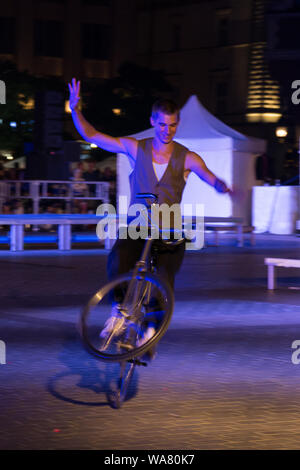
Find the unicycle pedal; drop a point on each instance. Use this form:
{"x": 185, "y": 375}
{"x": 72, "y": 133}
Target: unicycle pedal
{"x": 137, "y": 362}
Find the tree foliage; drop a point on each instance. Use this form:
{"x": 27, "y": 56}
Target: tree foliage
{"x": 132, "y": 92}
{"x": 21, "y": 88}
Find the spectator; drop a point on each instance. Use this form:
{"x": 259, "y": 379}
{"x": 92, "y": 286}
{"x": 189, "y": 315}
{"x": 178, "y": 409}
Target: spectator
{"x": 92, "y": 173}
{"x": 83, "y": 207}
{"x": 112, "y": 192}
{"x": 12, "y": 174}
{"x": 2, "y": 171}
{"x": 21, "y": 173}
{"x": 51, "y": 209}
{"x": 6, "y": 208}
{"x": 80, "y": 189}
{"x": 18, "y": 207}
{"x": 108, "y": 174}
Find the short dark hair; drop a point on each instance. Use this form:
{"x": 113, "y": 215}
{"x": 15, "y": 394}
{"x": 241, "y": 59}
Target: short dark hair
{"x": 165, "y": 106}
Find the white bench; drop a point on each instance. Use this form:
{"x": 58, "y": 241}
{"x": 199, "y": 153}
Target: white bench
{"x": 66, "y": 221}
{"x": 280, "y": 262}
{"x": 239, "y": 229}
{"x": 64, "y": 224}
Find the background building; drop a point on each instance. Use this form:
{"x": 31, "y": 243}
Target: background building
{"x": 65, "y": 38}
{"x": 221, "y": 50}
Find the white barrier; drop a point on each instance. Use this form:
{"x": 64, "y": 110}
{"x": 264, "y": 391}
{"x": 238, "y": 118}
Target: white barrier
{"x": 64, "y": 223}
{"x": 53, "y": 189}
{"x": 2, "y": 352}
{"x": 280, "y": 262}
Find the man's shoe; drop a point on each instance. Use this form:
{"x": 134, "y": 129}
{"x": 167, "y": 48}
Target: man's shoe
{"x": 150, "y": 354}
{"x": 150, "y": 331}
{"x": 114, "y": 323}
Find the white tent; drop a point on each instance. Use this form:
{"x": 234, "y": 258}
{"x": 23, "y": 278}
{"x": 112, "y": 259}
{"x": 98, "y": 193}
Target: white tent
{"x": 226, "y": 152}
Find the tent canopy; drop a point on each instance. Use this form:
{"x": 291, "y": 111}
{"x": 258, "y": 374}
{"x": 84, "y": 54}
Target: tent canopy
{"x": 196, "y": 123}
{"x": 229, "y": 154}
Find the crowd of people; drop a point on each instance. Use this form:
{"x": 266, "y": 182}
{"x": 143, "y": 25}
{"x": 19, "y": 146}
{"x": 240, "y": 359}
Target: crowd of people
{"x": 81, "y": 174}
{"x": 90, "y": 172}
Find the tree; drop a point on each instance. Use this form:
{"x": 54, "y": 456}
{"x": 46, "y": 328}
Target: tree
{"x": 17, "y": 115}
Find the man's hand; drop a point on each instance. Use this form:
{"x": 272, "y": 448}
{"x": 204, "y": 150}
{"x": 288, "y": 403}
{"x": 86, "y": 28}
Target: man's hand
{"x": 74, "y": 88}
{"x": 127, "y": 145}
{"x": 221, "y": 187}
{"x": 236, "y": 194}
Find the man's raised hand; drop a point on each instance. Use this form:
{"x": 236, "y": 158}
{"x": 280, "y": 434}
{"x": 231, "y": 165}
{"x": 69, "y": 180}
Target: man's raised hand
{"x": 74, "y": 88}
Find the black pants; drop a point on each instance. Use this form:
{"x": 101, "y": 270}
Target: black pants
{"x": 125, "y": 253}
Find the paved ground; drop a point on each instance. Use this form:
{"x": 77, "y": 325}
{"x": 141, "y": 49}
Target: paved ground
{"x": 223, "y": 377}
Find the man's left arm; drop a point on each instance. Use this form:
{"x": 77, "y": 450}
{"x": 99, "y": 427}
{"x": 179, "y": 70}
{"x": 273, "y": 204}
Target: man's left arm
{"x": 193, "y": 162}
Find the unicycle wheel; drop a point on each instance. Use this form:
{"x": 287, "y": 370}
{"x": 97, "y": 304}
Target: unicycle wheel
{"x": 97, "y": 313}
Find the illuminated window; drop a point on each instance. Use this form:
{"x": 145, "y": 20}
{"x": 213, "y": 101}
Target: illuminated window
{"x": 26, "y": 104}
{"x": 67, "y": 106}
{"x": 263, "y": 103}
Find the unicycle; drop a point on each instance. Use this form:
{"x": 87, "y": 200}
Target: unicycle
{"x": 146, "y": 298}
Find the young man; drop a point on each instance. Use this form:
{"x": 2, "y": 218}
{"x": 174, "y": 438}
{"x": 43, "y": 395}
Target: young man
{"x": 161, "y": 167}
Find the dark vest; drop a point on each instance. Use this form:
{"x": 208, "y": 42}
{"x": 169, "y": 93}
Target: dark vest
{"x": 143, "y": 178}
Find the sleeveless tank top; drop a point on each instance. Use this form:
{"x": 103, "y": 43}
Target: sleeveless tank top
{"x": 143, "y": 178}
{"x": 159, "y": 169}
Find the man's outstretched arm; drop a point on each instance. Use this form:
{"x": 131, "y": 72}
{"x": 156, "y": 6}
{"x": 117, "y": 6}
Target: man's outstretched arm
{"x": 126, "y": 145}
{"x": 195, "y": 163}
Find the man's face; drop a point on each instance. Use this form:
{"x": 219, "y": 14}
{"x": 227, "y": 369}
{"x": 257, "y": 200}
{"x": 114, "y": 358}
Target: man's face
{"x": 165, "y": 126}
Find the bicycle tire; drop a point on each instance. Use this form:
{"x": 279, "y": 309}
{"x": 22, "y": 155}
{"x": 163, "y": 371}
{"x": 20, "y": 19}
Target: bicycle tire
{"x": 127, "y": 371}
{"x": 168, "y": 301}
